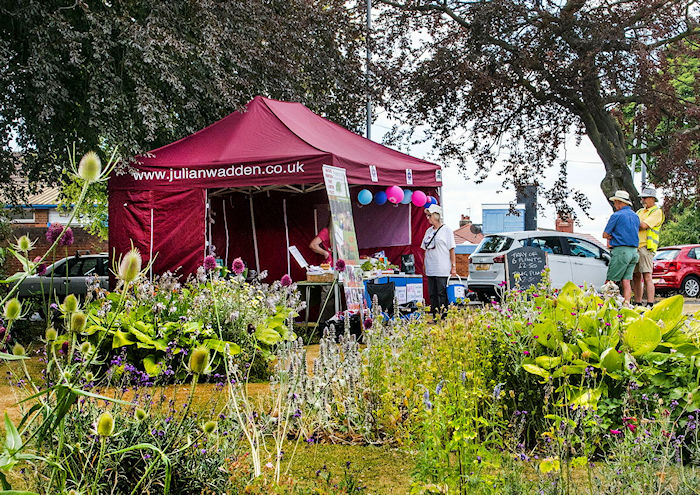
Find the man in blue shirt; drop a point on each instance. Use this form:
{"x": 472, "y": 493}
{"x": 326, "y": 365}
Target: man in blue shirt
{"x": 622, "y": 232}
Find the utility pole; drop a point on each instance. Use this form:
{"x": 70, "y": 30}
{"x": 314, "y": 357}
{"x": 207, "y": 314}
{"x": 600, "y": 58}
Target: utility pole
{"x": 369, "y": 57}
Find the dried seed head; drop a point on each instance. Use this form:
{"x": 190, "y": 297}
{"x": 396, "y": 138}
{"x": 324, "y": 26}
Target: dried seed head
{"x": 77, "y": 322}
{"x": 18, "y": 350}
{"x": 90, "y": 167}
{"x": 105, "y": 424}
{"x": 140, "y": 414}
{"x": 13, "y": 309}
{"x": 70, "y": 303}
{"x": 24, "y": 244}
{"x": 209, "y": 427}
{"x": 51, "y": 334}
{"x": 130, "y": 266}
{"x": 199, "y": 360}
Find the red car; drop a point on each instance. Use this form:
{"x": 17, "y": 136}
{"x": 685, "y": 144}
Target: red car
{"x": 678, "y": 268}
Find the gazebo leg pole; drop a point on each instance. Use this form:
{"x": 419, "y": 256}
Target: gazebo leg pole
{"x": 255, "y": 235}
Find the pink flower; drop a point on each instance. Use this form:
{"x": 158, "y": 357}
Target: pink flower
{"x": 535, "y": 336}
{"x": 286, "y": 280}
{"x": 340, "y": 265}
{"x": 631, "y": 427}
{"x": 209, "y": 263}
{"x": 238, "y": 266}
{"x": 615, "y": 432}
{"x": 41, "y": 267}
{"x": 527, "y": 353}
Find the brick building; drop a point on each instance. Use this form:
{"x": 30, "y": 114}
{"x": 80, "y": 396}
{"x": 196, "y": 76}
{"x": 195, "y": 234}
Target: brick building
{"x": 34, "y": 217}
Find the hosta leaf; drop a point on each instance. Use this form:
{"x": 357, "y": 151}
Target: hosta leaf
{"x": 669, "y": 311}
{"x": 220, "y": 346}
{"x": 547, "y": 334}
{"x": 611, "y": 360}
{"x": 570, "y": 296}
{"x": 13, "y": 442}
{"x": 587, "y": 399}
{"x": 267, "y": 335}
{"x": 549, "y": 465}
{"x": 121, "y": 339}
{"x": 151, "y": 366}
{"x": 548, "y": 362}
{"x": 536, "y": 370}
{"x": 643, "y": 336}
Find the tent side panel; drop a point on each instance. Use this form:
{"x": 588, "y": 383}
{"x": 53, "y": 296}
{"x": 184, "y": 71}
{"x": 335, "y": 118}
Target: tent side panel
{"x": 178, "y": 230}
{"x": 129, "y": 221}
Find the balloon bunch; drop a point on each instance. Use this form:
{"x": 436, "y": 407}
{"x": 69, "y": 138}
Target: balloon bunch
{"x": 395, "y": 195}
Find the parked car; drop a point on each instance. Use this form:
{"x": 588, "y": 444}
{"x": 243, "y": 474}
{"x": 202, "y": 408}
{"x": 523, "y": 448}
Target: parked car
{"x": 570, "y": 257}
{"x": 69, "y": 276}
{"x": 677, "y": 268}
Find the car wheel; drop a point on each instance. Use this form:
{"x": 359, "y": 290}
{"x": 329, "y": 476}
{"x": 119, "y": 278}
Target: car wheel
{"x": 691, "y": 286}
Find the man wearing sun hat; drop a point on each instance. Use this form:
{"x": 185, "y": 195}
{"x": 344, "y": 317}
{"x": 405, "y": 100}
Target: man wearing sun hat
{"x": 622, "y": 232}
{"x": 651, "y": 217}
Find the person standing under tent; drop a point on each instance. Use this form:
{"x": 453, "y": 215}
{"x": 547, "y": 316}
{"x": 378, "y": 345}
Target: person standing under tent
{"x": 651, "y": 217}
{"x": 440, "y": 261}
{"x": 622, "y": 232}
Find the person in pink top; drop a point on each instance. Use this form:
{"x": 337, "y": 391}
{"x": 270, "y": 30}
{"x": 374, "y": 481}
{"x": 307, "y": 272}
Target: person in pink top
{"x": 321, "y": 245}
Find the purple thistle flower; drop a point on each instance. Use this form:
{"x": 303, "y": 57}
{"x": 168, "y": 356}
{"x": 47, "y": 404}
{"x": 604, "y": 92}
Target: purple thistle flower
{"x": 67, "y": 239}
{"x": 340, "y": 265}
{"x": 368, "y": 323}
{"x": 209, "y": 263}
{"x": 238, "y": 266}
{"x": 286, "y": 280}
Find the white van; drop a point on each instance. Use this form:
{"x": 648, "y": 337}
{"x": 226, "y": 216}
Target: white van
{"x": 570, "y": 257}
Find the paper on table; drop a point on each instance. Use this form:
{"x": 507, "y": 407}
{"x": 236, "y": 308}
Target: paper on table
{"x": 401, "y": 295}
{"x": 298, "y": 257}
{"x": 414, "y": 292}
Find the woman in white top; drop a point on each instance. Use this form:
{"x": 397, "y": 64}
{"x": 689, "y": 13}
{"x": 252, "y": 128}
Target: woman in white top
{"x": 439, "y": 245}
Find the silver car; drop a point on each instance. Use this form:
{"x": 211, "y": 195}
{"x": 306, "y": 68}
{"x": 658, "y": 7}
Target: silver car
{"x": 570, "y": 257}
{"x": 69, "y": 276}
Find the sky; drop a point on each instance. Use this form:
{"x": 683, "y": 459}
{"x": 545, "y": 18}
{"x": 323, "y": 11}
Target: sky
{"x": 462, "y": 196}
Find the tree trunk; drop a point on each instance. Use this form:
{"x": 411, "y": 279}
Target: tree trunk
{"x": 609, "y": 141}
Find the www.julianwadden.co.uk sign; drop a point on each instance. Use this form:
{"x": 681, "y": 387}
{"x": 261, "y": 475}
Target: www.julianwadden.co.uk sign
{"x": 180, "y": 174}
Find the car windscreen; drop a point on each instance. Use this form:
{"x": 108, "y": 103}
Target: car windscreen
{"x": 666, "y": 254}
{"x": 494, "y": 244}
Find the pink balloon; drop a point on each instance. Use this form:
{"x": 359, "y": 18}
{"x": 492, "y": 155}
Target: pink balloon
{"x": 419, "y": 198}
{"x": 394, "y": 194}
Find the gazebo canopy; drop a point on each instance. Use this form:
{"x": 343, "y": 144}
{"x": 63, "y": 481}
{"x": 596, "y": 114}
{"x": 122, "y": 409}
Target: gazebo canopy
{"x": 273, "y": 143}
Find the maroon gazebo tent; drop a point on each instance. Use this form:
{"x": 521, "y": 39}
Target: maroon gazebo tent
{"x": 251, "y": 185}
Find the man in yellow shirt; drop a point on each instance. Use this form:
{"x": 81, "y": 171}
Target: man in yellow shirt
{"x": 650, "y": 219}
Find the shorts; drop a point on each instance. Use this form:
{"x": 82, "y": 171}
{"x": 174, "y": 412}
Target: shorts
{"x": 622, "y": 263}
{"x": 646, "y": 261}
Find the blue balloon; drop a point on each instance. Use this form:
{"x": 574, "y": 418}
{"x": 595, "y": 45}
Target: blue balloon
{"x": 364, "y": 197}
{"x": 432, "y": 200}
{"x": 407, "y": 193}
{"x": 380, "y": 198}
{"x": 427, "y": 204}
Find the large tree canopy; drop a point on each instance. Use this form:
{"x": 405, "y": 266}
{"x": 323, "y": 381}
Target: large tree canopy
{"x": 139, "y": 74}
{"x": 508, "y": 79}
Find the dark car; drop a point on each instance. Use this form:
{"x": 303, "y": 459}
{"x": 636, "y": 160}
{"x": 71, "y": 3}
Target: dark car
{"x": 677, "y": 268}
{"x": 69, "y": 276}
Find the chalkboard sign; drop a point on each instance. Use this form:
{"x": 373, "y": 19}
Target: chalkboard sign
{"x": 529, "y": 262}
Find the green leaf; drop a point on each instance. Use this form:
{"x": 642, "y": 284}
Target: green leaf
{"x": 150, "y": 365}
{"x": 669, "y": 311}
{"x": 220, "y": 346}
{"x": 267, "y": 335}
{"x": 611, "y": 360}
{"x": 549, "y": 465}
{"x": 548, "y": 362}
{"x": 146, "y": 342}
{"x": 547, "y": 334}
{"x": 16, "y": 492}
{"x": 13, "y": 442}
{"x": 13, "y": 278}
{"x": 121, "y": 339}
{"x": 643, "y": 336}
{"x": 536, "y": 370}
{"x": 569, "y": 296}
{"x": 11, "y": 357}
{"x": 579, "y": 461}
{"x": 587, "y": 399}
